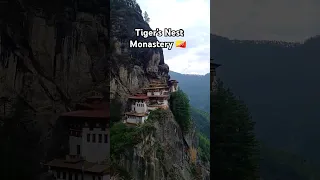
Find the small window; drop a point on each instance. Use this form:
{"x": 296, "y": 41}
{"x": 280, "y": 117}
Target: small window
{"x": 106, "y": 138}
{"x": 100, "y": 138}
{"x": 88, "y": 137}
{"x": 103, "y": 129}
{"x": 93, "y": 138}
{"x": 78, "y": 150}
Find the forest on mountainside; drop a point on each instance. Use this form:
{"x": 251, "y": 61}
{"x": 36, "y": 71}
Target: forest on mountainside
{"x": 278, "y": 81}
{"x": 197, "y": 87}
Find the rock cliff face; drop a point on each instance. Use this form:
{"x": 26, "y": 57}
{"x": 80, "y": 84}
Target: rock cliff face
{"x": 52, "y": 58}
{"x": 132, "y": 68}
{"x": 54, "y": 54}
{"x": 162, "y": 153}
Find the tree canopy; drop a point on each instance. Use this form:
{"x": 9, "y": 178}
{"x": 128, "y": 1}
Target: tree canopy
{"x": 235, "y": 149}
{"x": 180, "y": 107}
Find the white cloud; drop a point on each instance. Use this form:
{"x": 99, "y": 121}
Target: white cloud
{"x": 194, "y": 17}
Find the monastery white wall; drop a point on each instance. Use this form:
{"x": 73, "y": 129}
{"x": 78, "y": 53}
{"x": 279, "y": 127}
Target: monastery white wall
{"x": 165, "y": 93}
{"x": 165, "y": 102}
{"x": 139, "y": 107}
{"x": 136, "y": 119}
{"x": 95, "y": 151}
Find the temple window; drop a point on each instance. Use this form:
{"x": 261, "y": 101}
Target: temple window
{"x": 88, "y": 137}
{"x": 100, "y": 138}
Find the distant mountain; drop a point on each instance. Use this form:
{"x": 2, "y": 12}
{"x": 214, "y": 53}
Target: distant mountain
{"x": 202, "y": 121}
{"x": 197, "y": 87}
{"x": 279, "y": 82}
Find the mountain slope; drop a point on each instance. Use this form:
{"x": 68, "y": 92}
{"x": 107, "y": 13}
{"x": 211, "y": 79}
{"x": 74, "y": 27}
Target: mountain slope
{"x": 279, "y": 83}
{"x": 197, "y": 87}
{"x": 201, "y": 120}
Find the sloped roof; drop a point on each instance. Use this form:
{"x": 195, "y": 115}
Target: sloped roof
{"x": 159, "y": 96}
{"x": 162, "y": 87}
{"x": 87, "y": 114}
{"x": 140, "y": 97}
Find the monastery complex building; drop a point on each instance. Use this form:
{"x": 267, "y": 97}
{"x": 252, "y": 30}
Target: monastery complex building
{"x": 156, "y": 96}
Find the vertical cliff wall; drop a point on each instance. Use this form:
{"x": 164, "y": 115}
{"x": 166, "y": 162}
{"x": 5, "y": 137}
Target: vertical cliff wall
{"x": 55, "y": 53}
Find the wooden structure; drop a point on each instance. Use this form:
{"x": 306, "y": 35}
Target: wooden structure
{"x": 213, "y": 67}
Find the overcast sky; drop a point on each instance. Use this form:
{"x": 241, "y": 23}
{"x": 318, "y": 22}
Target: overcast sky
{"x": 194, "y": 17}
{"x": 288, "y": 20}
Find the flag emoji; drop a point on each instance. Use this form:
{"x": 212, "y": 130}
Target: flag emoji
{"x": 181, "y": 43}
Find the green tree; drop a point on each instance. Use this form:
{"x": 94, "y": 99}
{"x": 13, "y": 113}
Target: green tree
{"x": 204, "y": 147}
{"x": 180, "y": 107}
{"x": 146, "y": 17}
{"x": 235, "y": 149}
{"x": 19, "y": 141}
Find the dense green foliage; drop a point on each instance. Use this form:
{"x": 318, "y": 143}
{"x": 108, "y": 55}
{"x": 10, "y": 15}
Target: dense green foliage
{"x": 19, "y": 141}
{"x": 204, "y": 148}
{"x": 122, "y": 137}
{"x": 235, "y": 151}
{"x": 197, "y": 87}
{"x": 180, "y": 107}
{"x": 201, "y": 120}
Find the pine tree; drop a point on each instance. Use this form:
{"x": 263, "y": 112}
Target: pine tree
{"x": 180, "y": 107}
{"x": 235, "y": 149}
{"x": 146, "y": 17}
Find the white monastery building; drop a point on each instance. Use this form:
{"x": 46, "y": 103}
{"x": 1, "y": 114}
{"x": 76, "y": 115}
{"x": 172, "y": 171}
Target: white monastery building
{"x": 139, "y": 110}
{"x": 89, "y": 143}
{"x": 154, "y": 97}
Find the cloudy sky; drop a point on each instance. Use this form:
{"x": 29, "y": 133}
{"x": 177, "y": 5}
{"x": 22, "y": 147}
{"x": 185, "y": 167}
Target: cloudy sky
{"x": 288, "y": 20}
{"x": 194, "y": 17}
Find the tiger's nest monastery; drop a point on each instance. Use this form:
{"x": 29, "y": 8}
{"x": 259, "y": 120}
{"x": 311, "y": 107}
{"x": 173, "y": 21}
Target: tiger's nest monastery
{"x": 156, "y": 96}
